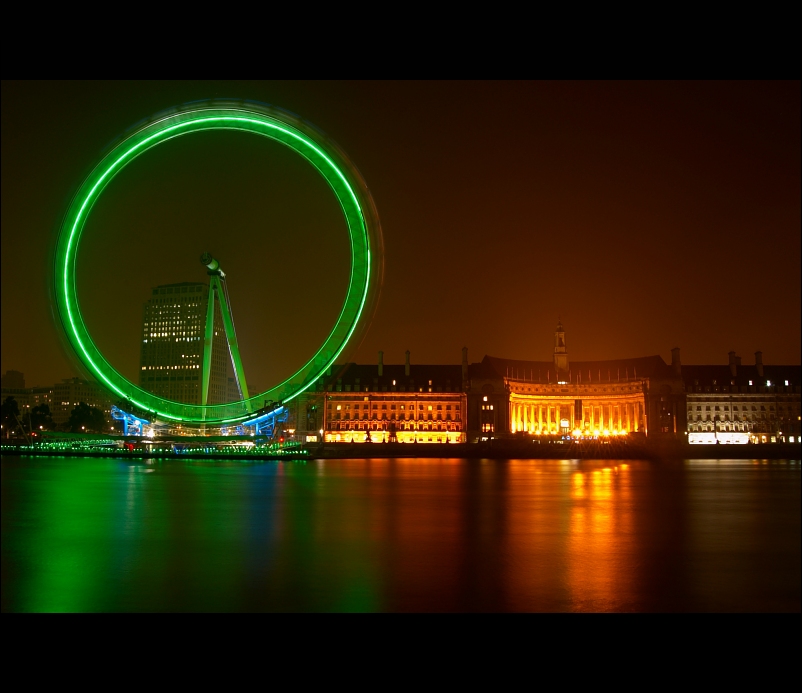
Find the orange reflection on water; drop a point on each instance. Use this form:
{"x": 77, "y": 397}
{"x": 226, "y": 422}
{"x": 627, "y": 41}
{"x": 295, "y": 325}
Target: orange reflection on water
{"x": 578, "y": 485}
{"x": 417, "y": 513}
{"x": 400, "y": 535}
{"x": 568, "y": 544}
{"x": 600, "y": 556}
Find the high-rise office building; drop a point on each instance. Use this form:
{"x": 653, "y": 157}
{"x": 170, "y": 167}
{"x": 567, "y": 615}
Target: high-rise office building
{"x": 173, "y": 329}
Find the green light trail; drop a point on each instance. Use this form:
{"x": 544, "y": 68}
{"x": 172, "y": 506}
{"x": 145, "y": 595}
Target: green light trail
{"x": 344, "y": 180}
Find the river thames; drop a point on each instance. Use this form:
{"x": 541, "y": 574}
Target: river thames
{"x": 400, "y": 535}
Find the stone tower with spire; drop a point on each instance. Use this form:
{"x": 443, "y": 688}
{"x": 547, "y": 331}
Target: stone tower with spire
{"x": 560, "y": 353}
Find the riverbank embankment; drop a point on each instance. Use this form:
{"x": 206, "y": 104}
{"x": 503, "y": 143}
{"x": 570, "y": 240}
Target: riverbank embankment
{"x": 496, "y": 449}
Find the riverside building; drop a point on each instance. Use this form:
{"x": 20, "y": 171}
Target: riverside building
{"x": 27, "y": 398}
{"x": 596, "y": 399}
{"x": 735, "y": 403}
{"x": 61, "y": 398}
{"x": 389, "y": 403}
{"x": 498, "y": 398}
{"x": 70, "y": 392}
{"x": 13, "y": 385}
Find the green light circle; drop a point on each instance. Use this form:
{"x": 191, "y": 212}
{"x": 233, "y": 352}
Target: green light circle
{"x": 303, "y": 138}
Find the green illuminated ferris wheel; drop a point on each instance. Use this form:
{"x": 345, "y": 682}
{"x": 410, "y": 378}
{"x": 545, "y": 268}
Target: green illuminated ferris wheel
{"x": 303, "y": 138}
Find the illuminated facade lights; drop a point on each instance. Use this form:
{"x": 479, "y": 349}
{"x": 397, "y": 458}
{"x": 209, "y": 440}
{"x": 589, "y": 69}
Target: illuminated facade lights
{"x": 171, "y": 354}
{"x": 727, "y": 404}
{"x": 738, "y": 404}
{"x": 405, "y": 404}
{"x": 579, "y": 399}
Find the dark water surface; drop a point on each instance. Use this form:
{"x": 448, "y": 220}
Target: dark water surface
{"x": 104, "y": 535}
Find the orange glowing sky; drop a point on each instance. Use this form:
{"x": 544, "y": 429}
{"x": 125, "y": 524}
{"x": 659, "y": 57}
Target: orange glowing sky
{"x": 645, "y": 215}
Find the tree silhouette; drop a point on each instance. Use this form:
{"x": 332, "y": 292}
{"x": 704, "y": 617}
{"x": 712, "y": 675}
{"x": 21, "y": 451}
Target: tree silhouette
{"x": 86, "y": 419}
{"x": 41, "y": 416}
{"x": 9, "y": 414}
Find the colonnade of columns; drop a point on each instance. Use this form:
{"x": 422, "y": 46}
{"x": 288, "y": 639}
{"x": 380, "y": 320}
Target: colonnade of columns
{"x": 546, "y": 417}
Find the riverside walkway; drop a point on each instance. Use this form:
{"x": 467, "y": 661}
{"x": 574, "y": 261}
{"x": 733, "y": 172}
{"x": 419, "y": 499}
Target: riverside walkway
{"x": 496, "y": 449}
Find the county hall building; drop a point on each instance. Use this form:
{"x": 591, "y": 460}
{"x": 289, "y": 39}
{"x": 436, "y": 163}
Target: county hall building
{"x": 503, "y": 398}
{"x": 560, "y": 397}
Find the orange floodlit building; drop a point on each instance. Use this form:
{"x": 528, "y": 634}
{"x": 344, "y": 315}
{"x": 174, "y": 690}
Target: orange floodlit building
{"x": 393, "y": 403}
{"x": 557, "y": 399}
{"x": 582, "y": 399}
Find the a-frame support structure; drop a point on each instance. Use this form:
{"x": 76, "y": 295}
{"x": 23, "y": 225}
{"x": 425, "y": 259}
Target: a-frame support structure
{"x": 218, "y": 292}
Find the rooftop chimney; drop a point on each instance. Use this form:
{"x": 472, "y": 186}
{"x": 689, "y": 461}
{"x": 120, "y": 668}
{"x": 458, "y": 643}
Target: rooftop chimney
{"x": 406, "y": 365}
{"x": 381, "y": 363}
{"x": 759, "y": 363}
{"x": 675, "y": 362}
{"x": 464, "y": 363}
{"x": 733, "y": 363}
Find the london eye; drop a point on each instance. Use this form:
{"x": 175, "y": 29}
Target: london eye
{"x": 361, "y": 219}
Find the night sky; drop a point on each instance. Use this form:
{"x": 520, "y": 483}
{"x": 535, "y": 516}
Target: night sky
{"x": 644, "y": 215}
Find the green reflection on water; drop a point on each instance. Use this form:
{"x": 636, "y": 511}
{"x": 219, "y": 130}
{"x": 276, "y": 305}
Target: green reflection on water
{"x": 104, "y": 535}
{"x": 63, "y": 532}
{"x": 97, "y": 535}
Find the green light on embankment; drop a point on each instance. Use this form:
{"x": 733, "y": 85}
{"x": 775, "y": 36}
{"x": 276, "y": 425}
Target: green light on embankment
{"x": 343, "y": 179}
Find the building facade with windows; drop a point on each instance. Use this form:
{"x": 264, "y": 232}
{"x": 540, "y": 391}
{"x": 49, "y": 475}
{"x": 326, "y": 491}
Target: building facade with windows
{"x": 27, "y": 398}
{"x": 62, "y": 398}
{"x": 173, "y": 333}
{"x": 70, "y": 392}
{"x": 560, "y": 397}
{"x": 737, "y": 403}
{"x": 386, "y": 403}
{"x": 506, "y": 398}
{"x": 12, "y": 384}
